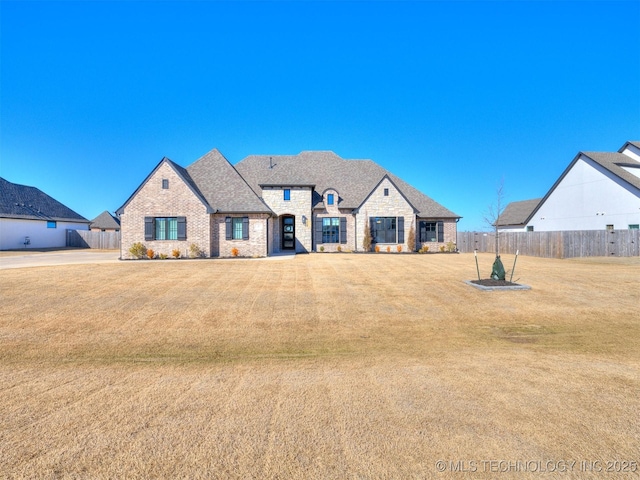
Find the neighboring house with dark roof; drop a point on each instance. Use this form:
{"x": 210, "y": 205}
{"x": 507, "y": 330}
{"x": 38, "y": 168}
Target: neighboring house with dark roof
{"x": 308, "y": 202}
{"x": 105, "y": 222}
{"x": 516, "y": 214}
{"x": 29, "y": 218}
{"x": 597, "y": 191}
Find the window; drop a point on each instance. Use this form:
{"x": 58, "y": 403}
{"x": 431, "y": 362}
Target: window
{"x": 330, "y": 230}
{"x": 431, "y": 231}
{"x": 165, "y": 228}
{"x": 330, "y": 199}
{"x": 609, "y": 227}
{"x": 165, "y": 183}
{"x": 634, "y": 227}
{"x": 237, "y": 228}
{"x": 387, "y": 229}
{"x": 287, "y": 194}
{"x": 386, "y": 192}
{"x": 529, "y": 228}
{"x": 52, "y": 224}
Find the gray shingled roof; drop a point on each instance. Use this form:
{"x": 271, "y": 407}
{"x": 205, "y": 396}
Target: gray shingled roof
{"x": 613, "y": 162}
{"x": 20, "y": 201}
{"x": 222, "y": 186}
{"x": 105, "y": 220}
{"x": 517, "y": 213}
{"x": 354, "y": 180}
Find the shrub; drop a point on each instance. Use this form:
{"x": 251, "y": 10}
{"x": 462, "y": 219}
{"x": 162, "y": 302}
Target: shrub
{"x": 388, "y": 249}
{"x": 399, "y": 248}
{"x": 377, "y": 249}
{"x": 322, "y": 248}
{"x": 235, "y": 252}
{"x": 451, "y": 247}
{"x": 339, "y": 248}
{"x": 175, "y": 253}
{"x": 442, "y": 248}
{"x": 194, "y": 251}
{"x": 424, "y": 249}
{"x": 163, "y": 256}
{"x": 367, "y": 241}
{"x": 151, "y": 254}
{"x": 138, "y": 250}
{"x": 411, "y": 239}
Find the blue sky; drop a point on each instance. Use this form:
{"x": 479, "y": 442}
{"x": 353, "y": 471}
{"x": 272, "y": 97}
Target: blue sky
{"x": 451, "y": 96}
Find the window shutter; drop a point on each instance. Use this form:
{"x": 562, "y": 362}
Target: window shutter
{"x": 229, "y": 229}
{"x": 318, "y": 230}
{"x": 148, "y": 228}
{"x": 400, "y": 229}
{"x": 245, "y": 228}
{"x": 182, "y": 228}
{"x": 440, "y": 230}
{"x": 343, "y": 230}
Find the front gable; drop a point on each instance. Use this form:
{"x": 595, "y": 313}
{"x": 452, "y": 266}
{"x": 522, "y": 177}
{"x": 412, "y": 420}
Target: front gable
{"x": 386, "y": 197}
{"x": 151, "y": 189}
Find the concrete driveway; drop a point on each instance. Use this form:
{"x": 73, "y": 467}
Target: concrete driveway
{"x": 23, "y": 259}
{"x": 48, "y": 258}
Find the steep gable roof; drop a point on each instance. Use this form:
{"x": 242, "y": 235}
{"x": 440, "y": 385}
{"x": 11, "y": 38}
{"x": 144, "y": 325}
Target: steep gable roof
{"x": 223, "y": 187}
{"x": 518, "y": 213}
{"x": 635, "y": 144}
{"x": 610, "y": 161}
{"x": 23, "y": 202}
{"x": 181, "y": 172}
{"x": 353, "y": 179}
{"x": 106, "y": 221}
{"x": 614, "y": 162}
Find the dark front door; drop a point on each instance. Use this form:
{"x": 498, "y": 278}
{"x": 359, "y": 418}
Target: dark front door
{"x": 288, "y": 233}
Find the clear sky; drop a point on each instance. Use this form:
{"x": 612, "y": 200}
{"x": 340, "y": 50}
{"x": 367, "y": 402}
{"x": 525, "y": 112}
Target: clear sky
{"x": 450, "y": 96}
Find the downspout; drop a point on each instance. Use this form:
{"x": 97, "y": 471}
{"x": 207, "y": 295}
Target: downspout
{"x": 355, "y": 227}
{"x": 267, "y": 235}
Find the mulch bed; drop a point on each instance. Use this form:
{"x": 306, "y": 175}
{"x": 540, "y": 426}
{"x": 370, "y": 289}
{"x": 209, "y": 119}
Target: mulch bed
{"x": 490, "y": 282}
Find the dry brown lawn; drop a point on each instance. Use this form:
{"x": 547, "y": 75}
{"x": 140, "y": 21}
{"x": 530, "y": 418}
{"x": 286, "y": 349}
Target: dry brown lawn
{"x": 325, "y": 366}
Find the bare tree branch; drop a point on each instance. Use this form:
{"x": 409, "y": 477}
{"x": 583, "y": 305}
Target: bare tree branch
{"x": 493, "y": 212}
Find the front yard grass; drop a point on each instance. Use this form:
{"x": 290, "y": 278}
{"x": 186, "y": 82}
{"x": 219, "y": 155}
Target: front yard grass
{"x": 324, "y": 366}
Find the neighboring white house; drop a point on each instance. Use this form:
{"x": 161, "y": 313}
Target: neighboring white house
{"x": 597, "y": 191}
{"x": 29, "y": 218}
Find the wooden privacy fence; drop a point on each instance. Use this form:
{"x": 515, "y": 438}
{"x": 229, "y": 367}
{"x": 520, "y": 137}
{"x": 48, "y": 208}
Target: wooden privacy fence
{"x": 583, "y": 243}
{"x": 92, "y": 239}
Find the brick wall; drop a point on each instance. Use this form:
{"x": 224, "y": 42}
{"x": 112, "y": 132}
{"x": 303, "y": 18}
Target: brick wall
{"x": 154, "y": 201}
{"x": 299, "y": 206}
{"x": 381, "y": 205}
{"x": 256, "y": 246}
{"x": 450, "y": 233}
{"x": 334, "y": 211}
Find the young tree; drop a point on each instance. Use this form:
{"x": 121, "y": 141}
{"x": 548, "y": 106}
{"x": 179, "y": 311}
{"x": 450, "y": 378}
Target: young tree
{"x": 411, "y": 239}
{"x": 492, "y": 218}
{"x": 367, "y": 241}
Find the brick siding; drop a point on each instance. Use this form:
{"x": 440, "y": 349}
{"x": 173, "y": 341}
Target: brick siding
{"x": 256, "y": 246}
{"x": 299, "y": 206}
{"x": 154, "y": 201}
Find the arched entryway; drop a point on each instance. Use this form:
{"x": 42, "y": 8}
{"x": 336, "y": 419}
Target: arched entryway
{"x": 288, "y": 225}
